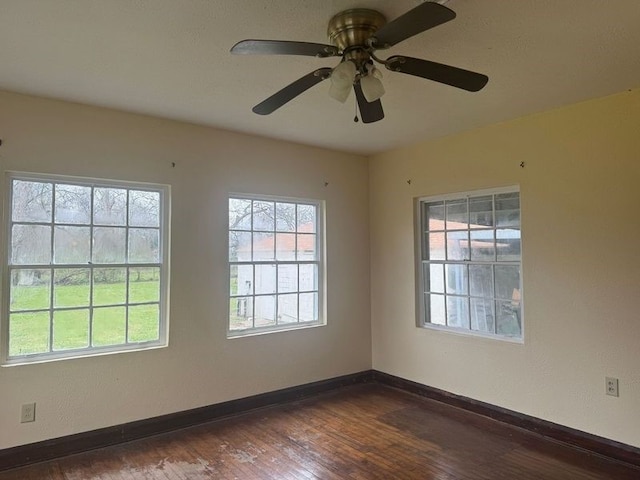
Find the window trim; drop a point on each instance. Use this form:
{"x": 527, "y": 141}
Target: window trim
{"x": 164, "y": 264}
{"x": 320, "y": 261}
{"x": 420, "y": 318}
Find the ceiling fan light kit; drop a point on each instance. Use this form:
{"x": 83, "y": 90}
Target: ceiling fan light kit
{"x": 356, "y": 35}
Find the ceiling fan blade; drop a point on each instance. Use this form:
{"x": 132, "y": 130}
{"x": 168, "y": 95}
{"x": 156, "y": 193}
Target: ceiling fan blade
{"x": 456, "y": 77}
{"x": 283, "y": 47}
{"x": 291, "y": 91}
{"x": 370, "y": 112}
{"x": 417, "y": 20}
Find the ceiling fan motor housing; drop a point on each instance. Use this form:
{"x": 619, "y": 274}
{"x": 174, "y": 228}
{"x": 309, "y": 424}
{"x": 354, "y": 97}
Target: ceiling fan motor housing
{"x": 354, "y": 27}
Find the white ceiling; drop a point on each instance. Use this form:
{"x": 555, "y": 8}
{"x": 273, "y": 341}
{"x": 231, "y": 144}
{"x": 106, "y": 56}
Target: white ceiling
{"x": 170, "y": 58}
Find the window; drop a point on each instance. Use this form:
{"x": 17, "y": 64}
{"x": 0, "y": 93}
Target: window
{"x": 275, "y": 264}
{"x": 86, "y": 267}
{"x": 469, "y": 268}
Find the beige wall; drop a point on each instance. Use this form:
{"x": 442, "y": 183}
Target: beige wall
{"x": 200, "y": 366}
{"x": 581, "y": 265}
{"x": 580, "y": 194}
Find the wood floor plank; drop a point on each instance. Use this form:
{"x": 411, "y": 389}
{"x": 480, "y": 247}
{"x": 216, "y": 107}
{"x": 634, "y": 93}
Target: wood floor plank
{"x": 362, "y": 432}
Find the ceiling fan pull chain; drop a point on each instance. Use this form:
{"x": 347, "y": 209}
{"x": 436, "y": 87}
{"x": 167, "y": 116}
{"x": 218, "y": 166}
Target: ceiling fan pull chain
{"x": 356, "y": 119}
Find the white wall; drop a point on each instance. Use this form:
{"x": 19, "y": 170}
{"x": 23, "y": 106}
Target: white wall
{"x": 580, "y": 197}
{"x": 200, "y": 366}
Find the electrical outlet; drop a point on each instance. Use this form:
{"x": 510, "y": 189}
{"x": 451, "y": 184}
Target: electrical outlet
{"x": 612, "y": 386}
{"x": 28, "y": 413}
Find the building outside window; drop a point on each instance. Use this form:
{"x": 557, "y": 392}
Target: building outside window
{"x": 470, "y": 263}
{"x": 86, "y": 267}
{"x": 275, "y": 264}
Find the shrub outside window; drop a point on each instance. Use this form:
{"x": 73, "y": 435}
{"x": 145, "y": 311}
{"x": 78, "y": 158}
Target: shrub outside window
{"x": 85, "y": 269}
{"x": 275, "y": 264}
{"x": 470, "y": 263}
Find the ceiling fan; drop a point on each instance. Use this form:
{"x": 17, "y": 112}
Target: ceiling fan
{"x": 356, "y": 35}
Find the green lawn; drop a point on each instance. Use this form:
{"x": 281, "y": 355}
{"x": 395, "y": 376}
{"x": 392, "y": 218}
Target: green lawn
{"x": 30, "y": 332}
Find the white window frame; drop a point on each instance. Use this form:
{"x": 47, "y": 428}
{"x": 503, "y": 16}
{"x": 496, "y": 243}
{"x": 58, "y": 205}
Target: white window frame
{"x": 319, "y": 261}
{"x": 163, "y": 264}
{"x": 421, "y": 256}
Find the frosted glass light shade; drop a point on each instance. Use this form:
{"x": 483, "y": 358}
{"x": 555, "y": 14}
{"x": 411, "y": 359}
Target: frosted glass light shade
{"x": 342, "y": 81}
{"x": 372, "y": 88}
{"x": 344, "y": 74}
{"x": 339, "y": 93}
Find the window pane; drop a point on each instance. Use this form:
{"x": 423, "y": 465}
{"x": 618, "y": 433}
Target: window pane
{"x": 482, "y": 246}
{"x": 264, "y": 215}
{"x": 240, "y": 246}
{"x": 144, "y": 285}
{"x": 287, "y": 278}
{"x": 458, "y": 312}
{"x": 70, "y": 329}
{"x": 239, "y": 214}
{"x": 30, "y": 245}
{"x": 109, "y": 286}
{"x": 434, "y": 216}
{"x": 126, "y": 228}
{"x": 482, "y": 317}
{"x": 144, "y": 245}
{"x": 508, "y": 243}
{"x": 109, "y": 326}
{"x": 31, "y": 201}
{"x": 144, "y": 323}
{"x": 144, "y": 208}
{"x": 279, "y": 231}
{"x": 73, "y": 204}
{"x": 28, "y": 333}
{"x": 241, "y": 280}
{"x": 240, "y": 313}
{"x": 109, "y": 245}
{"x": 457, "y": 279}
{"x": 308, "y": 307}
{"x": 434, "y": 276}
{"x": 71, "y": 245}
{"x": 457, "y": 214}
{"x": 308, "y": 280}
{"x": 507, "y": 281}
{"x": 285, "y": 217}
{"x": 71, "y": 287}
{"x": 30, "y": 289}
{"x": 307, "y": 247}
{"x": 109, "y": 206}
{"x": 436, "y": 246}
{"x": 508, "y": 319}
{"x": 474, "y": 279}
{"x": 435, "y": 309}
{"x": 457, "y": 246}
{"x": 481, "y": 211}
{"x": 265, "y": 311}
{"x": 265, "y": 279}
{"x": 481, "y": 280}
{"x": 264, "y": 246}
{"x": 286, "y": 246}
{"x": 288, "y": 308}
{"x": 508, "y": 209}
{"x": 307, "y": 218}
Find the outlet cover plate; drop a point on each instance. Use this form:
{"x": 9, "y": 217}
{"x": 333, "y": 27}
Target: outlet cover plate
{"x": 28, "y": 413}
{"x": 612, "y": 386}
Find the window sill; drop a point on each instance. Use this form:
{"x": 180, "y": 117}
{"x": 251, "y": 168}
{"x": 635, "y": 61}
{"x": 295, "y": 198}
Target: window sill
{"x": 72, "y": 355}
{"x": 231, "y": 335}
{"x": 472, "y": 333}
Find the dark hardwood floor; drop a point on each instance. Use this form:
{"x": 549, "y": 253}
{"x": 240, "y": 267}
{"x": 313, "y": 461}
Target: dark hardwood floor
{"x": 361, "y": 432}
